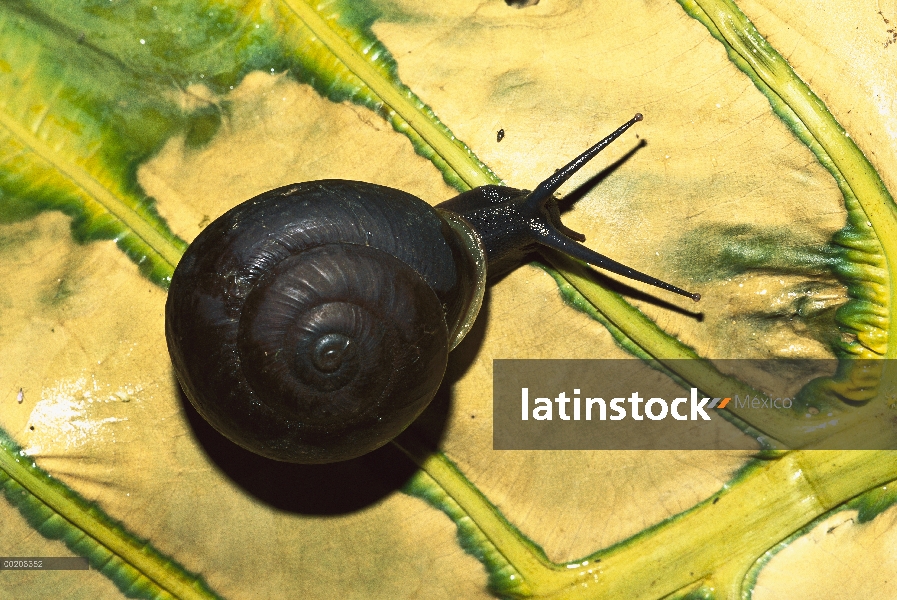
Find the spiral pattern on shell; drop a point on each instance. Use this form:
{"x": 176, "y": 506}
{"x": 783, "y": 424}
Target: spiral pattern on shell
{"x": 311, "y": 323}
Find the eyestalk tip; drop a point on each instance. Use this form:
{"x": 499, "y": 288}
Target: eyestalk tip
{"x": 638, "y": 117}
{"x": 696, "y": 297}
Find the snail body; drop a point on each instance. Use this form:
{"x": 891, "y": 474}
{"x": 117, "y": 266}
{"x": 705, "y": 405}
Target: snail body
{"x": 313, "y": 322}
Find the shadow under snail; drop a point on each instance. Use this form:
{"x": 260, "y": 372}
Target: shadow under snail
{"x": 312, "y": 323}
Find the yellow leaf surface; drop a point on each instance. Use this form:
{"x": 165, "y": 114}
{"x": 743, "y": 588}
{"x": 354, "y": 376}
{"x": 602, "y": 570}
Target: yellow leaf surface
{"x": 82, "y": 332}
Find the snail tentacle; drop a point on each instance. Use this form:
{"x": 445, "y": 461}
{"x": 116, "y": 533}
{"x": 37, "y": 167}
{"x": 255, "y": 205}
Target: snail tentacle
{"x": 512, "y": 222}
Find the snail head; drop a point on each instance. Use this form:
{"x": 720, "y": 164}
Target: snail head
{"x": 512, "y": 222}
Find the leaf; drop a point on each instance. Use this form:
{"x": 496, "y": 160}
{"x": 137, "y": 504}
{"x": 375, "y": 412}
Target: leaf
{"x": 183, "y": 491}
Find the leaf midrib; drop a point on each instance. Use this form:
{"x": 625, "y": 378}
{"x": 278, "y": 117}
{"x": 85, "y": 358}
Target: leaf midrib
{"x": 858, "y": 173}
{"x": 82, "y": 179}
{"x": 456, "y": 158}
{"x": 128, "y": 549}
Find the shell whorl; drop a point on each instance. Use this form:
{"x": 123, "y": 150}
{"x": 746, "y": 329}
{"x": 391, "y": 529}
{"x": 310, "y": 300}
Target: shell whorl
{"x": 311, "y": 323}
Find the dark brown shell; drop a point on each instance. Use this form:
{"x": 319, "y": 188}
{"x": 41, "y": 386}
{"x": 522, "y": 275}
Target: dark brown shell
{"x": 310, "y": 324}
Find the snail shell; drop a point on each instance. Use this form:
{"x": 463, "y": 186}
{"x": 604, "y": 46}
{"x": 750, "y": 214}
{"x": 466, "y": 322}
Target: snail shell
{"x": 313, "y": 323}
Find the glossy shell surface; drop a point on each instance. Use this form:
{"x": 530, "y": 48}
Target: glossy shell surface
{"x": 312, "y": 323}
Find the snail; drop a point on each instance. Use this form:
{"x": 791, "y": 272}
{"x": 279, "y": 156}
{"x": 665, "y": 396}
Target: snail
{"x": 313, "y": 322}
